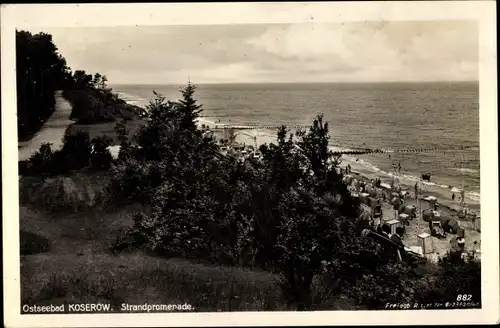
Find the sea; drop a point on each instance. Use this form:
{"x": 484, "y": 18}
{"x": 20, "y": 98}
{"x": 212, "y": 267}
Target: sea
{"x": 443, "y": 116}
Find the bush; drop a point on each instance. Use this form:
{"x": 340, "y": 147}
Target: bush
{"x": 391, "y": 283}
{"x": 91, "y": 106}
{"x": 32, "y": 243}
{"x": 133, "y": 181}
{"x": 62, "y": 194}
{"x": 41, "y": 162}
{"x": 100, "y": 157}
{"x": 455, "y": 276}
{"x": 77, "y": 153}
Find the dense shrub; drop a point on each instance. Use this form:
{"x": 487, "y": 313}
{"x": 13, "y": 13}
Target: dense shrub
{"x": 455, "y": 276}
{"x": 92, "y": 106}
{"x": 133, "y": 181}
{"x": 100, "y": 157}
{"x": 392, "y": 283}
{"x": 78, "y": 152}
{"x": 41, "y": 162}
{"x": 31, "y": 243}
{"x": 63, "y": 194}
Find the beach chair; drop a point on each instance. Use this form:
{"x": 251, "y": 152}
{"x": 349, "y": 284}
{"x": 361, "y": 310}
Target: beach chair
{"x": 477, "y": 223}
{"x": 436, "y": 226}
{"x": 426, "y": 242}
{"x": 377, "y": 211}
{"x": 393, "y": 224}
{"x": 404, "y": 218}
{"x": 364, "y": 198}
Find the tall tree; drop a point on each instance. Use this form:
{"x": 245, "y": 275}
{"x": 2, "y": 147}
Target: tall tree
{"x": 189, "y": 108}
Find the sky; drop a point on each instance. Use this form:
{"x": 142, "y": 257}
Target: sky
{"x": 266, "y": 53}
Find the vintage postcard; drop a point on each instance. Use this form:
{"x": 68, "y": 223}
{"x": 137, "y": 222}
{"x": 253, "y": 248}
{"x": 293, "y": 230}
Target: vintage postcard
{"x": 230, "y": 164}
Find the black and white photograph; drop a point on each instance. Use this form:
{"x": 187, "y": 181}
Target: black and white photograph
{"x": 337, "y": 162}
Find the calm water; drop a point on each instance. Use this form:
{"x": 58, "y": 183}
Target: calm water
{"x": 383, "y": 115}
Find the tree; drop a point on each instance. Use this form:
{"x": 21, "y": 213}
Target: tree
{"x": 82, "y": 79}
{"x": 314, "y": 147}
{"x": 96, "y": 82}
{"x": 40, "y": 70}
{"x": 103, "y": 83}
{"x": 154, "y": 137}
{"x": 99, "y": 81}
{"x": 189, "y": 108}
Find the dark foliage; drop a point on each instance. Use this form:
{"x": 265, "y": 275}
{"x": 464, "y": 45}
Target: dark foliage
{"x": 90, "y": 106}
{"x": 78, "y": 152}
{"x": 455, "y": 276}
{"x": 31, "y": 243}
{"x": 100, "y": 157}
{"x": 40, "y": 70}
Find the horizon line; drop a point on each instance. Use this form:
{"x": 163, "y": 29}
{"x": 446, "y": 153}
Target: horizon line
{"x": 297, "y": 82}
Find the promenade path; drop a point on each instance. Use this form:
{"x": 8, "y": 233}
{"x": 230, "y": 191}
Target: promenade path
{"x": 52, "y": 131}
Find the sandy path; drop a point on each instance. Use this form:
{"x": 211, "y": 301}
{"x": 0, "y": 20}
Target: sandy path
{"x": 52, "y": 131}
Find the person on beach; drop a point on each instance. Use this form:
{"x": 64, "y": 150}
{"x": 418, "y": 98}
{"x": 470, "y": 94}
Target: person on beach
{"x": 349, "y": 168}
{"x": 386, "y": 230}
{"x": 461, "y": 244}
{"x": 457, "y": 247}
{"x": 435, "y": 232}
{"x": 416, "y": 190}
{"x": 453, "y": 196}
{"x": 376, "y": 223}
{"x": 397, "y": 238}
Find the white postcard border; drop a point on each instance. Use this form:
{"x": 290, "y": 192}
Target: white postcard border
{"x": 44, "y": 15}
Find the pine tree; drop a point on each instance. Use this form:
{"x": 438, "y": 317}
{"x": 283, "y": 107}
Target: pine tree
{"x": 189, "y": 108}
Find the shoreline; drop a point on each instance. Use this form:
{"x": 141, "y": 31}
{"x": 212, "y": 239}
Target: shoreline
{"x": 443, "y": 196}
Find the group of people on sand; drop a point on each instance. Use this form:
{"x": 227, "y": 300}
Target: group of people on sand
{"x": 396, "y": 166}
{"x": 397, "y": 238}
{"x": 348, "y": 169}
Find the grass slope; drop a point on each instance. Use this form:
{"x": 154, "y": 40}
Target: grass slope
{"x": 77, "y": 266}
